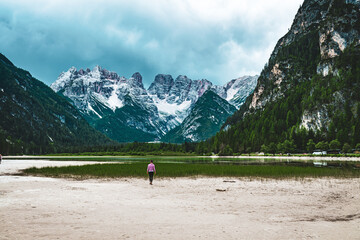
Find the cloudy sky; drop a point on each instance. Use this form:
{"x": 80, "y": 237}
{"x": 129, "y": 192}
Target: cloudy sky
{"x": 214, "y": 39}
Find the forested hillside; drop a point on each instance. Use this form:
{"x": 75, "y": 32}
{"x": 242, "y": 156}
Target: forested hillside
{"x": 308, "y": 94}
{"x": 36, "y": 120}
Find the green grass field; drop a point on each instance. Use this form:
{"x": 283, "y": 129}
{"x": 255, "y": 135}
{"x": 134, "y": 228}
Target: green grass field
{"x": 191, "y": 170}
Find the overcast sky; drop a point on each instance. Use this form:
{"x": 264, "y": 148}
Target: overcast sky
{"x": 212, "y": 39}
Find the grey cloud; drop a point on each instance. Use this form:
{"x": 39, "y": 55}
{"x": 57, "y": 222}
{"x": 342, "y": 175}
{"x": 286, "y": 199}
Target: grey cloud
{"x": 127, "y": 38}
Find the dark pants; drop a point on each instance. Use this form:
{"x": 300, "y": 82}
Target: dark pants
{"x": 151, "y": 176}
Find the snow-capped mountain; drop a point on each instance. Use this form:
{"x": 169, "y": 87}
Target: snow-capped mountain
{"x": 107, "y": 100}
{"x": 175, "y": 99}
{"x": 86, "y": 88}
{"x": 124, "y": 110}
{"x": 238, "y": 89}
{"x": 35, "y": 120}
{"x": 204, "y": 120}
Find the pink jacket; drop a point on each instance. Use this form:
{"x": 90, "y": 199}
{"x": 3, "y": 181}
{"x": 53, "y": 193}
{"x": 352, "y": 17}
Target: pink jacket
{"x": 151, "y": 168}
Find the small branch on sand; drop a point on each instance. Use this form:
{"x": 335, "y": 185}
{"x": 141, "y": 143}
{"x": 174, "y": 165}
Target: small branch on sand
{"x": 221, "y": 190}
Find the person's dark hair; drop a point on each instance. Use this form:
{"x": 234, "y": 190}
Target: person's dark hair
{"x": 151, "y": 160}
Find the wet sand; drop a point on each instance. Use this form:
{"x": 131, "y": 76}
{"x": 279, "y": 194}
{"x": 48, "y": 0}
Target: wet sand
{"x": 182, "y": 208}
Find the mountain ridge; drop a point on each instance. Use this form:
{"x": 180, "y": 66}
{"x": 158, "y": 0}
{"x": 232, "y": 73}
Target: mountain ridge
{"x": 309, "y": 88}
{"x": 204, "y": 121}
{"x": 35, "y": 120}
{"x": 100, "y": 93}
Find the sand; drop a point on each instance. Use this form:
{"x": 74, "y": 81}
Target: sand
{"x": 182, "y": 208}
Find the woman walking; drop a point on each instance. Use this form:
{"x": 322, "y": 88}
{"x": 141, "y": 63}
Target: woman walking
{"x": 151, "y": 171}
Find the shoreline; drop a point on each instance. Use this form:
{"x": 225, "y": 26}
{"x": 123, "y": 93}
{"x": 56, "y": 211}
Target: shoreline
{"x": 323, "y": 158}
{"x": 220, "y": 208}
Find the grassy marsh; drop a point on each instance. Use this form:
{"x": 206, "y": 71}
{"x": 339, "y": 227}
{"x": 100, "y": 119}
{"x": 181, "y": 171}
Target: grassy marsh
{"x": 277, "y": 171}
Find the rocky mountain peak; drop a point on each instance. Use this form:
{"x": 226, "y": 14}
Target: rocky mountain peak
{"x": 82, "y": 72}
{"x": 72, "y": 69}
{"x": 310, "y": 81}
{"x": 136, "y": 80}
{"x": 236, "y": 82}
{"x": 161, "y": 85}
{"x": 183, "y": 78}
{"x": 101, "y": 94}
{"x": 97, "y": 68}
{"x": 137, "y": 76}
{"x": 326, "y": 28}
{"x": 200, "y": 86}
{"x": 164, "y": 79}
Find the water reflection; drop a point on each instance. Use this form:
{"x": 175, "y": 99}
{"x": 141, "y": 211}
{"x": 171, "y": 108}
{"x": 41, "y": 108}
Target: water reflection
{"x": 212, "y": 160}
{"x": 242, "y": 161}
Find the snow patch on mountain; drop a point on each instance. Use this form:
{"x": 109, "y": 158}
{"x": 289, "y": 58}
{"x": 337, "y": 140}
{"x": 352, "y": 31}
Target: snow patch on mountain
{"x": 231, "y": 93}
{"x": 165, "y": 108}
{"x": 91, "y": 109}
{"x": 114, "y": 102}
{"x": 238, "y": 89}
{"x": 63, "y": 79}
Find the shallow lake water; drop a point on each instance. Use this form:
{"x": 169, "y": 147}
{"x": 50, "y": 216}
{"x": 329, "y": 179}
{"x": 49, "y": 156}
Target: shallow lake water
{"x": 202, "y": 160}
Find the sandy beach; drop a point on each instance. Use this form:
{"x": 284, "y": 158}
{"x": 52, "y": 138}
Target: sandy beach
{"x": 182, "y": 208}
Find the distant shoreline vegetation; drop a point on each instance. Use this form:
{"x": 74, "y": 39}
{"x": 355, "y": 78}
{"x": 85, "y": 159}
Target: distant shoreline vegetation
{"x": 176, "y": 154}
{"x": 210, "y": 147}
{"x": 322, "y": 148}
{"x": 334, "y": 148}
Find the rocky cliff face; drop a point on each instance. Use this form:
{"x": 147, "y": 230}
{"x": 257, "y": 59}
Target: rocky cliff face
{"x": 101, "y": 96}
{"x": 175, "y": 99}
{"x": 237, "y": 90}
{"x": 309, "y": 87}
{"x": 105, "y": 98}
{"x": 161, "y": 86}
{"x": 320, "y": 33}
